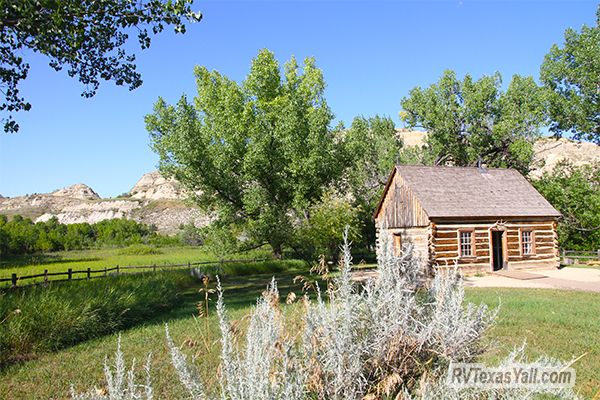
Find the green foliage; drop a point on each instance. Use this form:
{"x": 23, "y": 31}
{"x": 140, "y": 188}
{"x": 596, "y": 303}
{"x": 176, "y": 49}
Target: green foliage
{"x": 42, "y": 319}
{"x": 472, "y": 119}
{"x": 88, "y": 37}
{"x": 259, "y": 152}
{"x": 372, "y": 147}
{"x": 323, "y": 233}
{"x": 571, "y": 75}
{"x": 21, "y": 236}
{"x": 575, "y": 192}
{"x": 221, "y": 240}
{"x": 254, "y": 268}
{"x": 416, "y": 155}
{"x": 139, "y": 249}
{"x": 190, "y": 235}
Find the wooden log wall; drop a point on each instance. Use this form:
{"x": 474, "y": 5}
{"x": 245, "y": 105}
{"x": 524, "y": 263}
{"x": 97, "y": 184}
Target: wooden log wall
{"x": 400, "y": 208}
{"x": 444, "y": 244}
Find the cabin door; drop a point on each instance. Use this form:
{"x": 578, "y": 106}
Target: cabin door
{"x": 497, "y": 251}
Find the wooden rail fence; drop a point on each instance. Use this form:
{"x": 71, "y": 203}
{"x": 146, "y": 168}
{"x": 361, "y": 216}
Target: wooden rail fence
{"x": 569, "y": 257}
{"x": 104, "y": 272}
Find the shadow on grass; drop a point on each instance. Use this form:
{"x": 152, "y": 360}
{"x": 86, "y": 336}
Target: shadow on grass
{"x": 239, "y": 292}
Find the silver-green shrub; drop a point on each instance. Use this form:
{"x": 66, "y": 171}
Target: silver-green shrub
{"x": 393, "y": 337}
{"x": 120, "y": 383}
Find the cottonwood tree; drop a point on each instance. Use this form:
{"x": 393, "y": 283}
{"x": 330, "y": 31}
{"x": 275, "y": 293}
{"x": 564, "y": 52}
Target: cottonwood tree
{"x": 572, "y": 76}
{"x": 372, "y": 147}
{"x": 575, "y": 192}
{"x": 87, "y": 36}
{"x": 469, "y": 120}
{"x": 257, "y": 153}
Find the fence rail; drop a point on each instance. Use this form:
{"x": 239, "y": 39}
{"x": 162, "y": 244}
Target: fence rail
{"x": 571, "y": 256}
{"x": 104, "y": 272}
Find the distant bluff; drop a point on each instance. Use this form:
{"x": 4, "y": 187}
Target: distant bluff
{"x": 153, "y": 200}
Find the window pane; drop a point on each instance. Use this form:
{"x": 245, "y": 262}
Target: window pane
{"x": 527, "y": 243}
{"x": 465, "y": 244}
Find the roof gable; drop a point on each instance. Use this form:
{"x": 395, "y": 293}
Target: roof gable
{"x": 474, "y": 192}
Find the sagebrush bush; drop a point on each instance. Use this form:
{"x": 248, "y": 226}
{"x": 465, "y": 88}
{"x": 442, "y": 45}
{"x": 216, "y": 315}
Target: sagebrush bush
{"x": 393, "y": 337}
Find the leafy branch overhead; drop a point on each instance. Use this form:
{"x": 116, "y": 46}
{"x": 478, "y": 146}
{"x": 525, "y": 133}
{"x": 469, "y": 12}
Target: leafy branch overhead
{"x": 87, "y": 37}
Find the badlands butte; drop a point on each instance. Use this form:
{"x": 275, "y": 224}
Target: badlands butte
{"x": 155, "y": 200}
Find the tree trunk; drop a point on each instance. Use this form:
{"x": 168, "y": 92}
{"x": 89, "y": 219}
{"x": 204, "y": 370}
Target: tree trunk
{"x": 277, "y": 251}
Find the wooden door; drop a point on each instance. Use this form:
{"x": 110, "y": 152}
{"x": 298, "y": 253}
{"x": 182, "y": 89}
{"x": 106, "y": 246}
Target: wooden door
{"x": 497, "y": 250}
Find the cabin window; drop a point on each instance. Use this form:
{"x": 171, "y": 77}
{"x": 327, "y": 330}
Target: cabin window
{"x": 397, "y": 244}
{"x": 466, "y": 243}
{"x": 527, "y": 243}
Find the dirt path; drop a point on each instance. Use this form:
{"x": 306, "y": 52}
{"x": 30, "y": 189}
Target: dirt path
{"x": 581, "y": 279}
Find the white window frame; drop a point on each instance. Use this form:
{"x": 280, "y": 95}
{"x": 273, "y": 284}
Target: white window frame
{"x": 527, "y": 247}
{"x": 470, "y": 245}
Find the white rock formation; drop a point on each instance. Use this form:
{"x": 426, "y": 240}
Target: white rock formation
{"x": 549, "y": 152}
{"x": 153, "y": 186}
{"x": 77, "y": 191}
{"x": 154, "y": 200}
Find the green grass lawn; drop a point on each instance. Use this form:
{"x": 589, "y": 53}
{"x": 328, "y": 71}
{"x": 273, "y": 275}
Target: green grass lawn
{"x": 109, "y": 258}
{"x": 557, "y": 323}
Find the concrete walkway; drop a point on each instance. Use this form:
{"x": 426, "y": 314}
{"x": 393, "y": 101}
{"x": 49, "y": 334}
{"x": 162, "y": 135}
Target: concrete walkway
{"x": 582, "y": 279}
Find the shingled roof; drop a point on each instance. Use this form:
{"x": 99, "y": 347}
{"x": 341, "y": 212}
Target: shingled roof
{"x": 474, "y": 192}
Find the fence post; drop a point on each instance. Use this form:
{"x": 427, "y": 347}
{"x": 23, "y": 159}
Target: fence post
{"x": 105, "y": 271}
{"x": 117, "y": 269}
{"x": 14, "y": 280}
{"x": 70, "y": 272}
{"x": 154, "y": 268}
{"x": 598, "y": 254}
{"x": 45, "y": 277}
{"x": 190, "y": 265}
{"x": 88, "y": 273}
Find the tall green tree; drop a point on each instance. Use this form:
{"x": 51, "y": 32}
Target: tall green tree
{"x": 86, "y": 36}
{"x": 470, "y": 119}
{"x": 372, "y": 147}
{"x": 257, "y": 154}
{"x": 575, "y": 192}
{"x": 571, "y": 75}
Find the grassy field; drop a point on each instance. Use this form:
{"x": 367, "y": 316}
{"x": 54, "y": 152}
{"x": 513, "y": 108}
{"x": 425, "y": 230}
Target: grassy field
{"x": 41, "y": 319}
{"x": 109, "y": 258}
{"x": 557, "y": 323}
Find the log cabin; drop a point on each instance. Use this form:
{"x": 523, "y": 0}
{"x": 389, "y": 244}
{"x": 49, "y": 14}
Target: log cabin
{"x": 481, "y": 219}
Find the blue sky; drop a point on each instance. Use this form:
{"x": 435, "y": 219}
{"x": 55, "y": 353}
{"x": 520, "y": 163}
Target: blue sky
{"x": 371, "y": 53}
